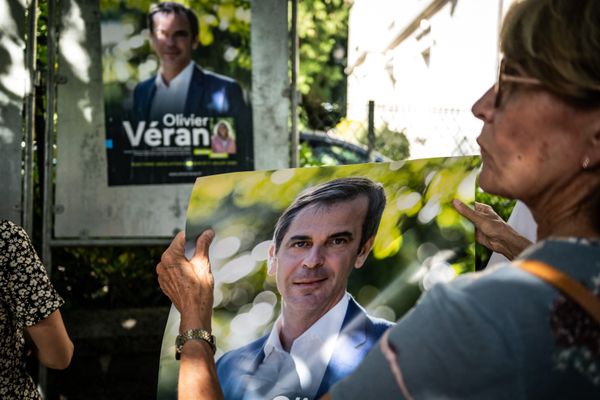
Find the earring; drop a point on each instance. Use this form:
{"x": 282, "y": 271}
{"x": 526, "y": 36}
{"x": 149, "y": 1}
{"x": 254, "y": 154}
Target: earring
{"x": 586, "y": 162}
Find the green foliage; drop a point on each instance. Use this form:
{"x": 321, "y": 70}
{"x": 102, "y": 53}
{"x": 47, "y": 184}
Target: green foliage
{"x": 306, "y": 157}
{"x": 390, "y": 143}
{"x": 108, "y": 277}
{"x": 503, "y": 208}
{"x": 42, "y": 34}
{"x": 323, "y": 37}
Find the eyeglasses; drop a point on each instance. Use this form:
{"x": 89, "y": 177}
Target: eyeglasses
{"x": 503, "y": 77}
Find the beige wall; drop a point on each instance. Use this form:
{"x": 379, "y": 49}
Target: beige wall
{"x": 424, "y": 63}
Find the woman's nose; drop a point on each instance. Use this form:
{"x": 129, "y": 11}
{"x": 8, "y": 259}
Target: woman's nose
{"x": 484, "y": 108}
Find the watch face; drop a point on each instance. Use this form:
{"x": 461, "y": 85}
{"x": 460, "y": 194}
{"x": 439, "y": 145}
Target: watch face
{"x": 179, "y": 342}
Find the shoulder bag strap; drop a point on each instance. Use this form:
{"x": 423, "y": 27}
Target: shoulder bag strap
{"x": 564, "y": 283}
{"x": 391, "y": 355}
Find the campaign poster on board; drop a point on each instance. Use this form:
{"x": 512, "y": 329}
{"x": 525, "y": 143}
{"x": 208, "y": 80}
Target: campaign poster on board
{"x": 264, "y": 223}
{"x": 176, "y": 79}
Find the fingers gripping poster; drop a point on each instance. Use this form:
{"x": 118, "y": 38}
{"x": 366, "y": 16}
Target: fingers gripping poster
{"x": 295, "y": 241}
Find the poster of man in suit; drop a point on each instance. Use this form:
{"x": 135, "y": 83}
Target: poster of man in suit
{"x": 171, "y": 74}
{"x": 312, "y": 265}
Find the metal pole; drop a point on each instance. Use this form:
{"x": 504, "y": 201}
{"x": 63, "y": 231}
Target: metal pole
{"x": 371, "y": 128}
{"x": 294, "y": 85}
{"x": 30, "y": 54}
{"x": 47, "y": 198}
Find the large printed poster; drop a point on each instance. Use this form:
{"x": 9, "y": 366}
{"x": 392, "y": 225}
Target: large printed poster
{"x": 176, "y": 89}
{"x": 420, "y": 241}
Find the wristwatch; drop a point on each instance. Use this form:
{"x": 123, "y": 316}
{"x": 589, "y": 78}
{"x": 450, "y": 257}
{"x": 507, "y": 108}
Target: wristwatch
{"x": 193, "y": 334}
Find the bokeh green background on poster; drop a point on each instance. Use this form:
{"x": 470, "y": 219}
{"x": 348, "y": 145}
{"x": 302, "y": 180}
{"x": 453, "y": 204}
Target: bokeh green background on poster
{"x": 421, "y": 240}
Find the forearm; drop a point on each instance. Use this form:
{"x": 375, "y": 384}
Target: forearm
{"x": 189, "y": 285}
{"x": 196, "y": 317}
{"x": 52, "y": 345}
{"x": 197, "y": 372}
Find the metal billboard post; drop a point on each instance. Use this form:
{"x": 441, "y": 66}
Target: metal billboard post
{"x": 371, "y": 128}
{"x": 30, "y": 57}
{"x": 294, "y": 85}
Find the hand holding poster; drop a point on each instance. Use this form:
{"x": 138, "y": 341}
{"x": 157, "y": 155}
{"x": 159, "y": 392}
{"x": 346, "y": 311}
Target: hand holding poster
{"x": 264, "y": 220}
{"x": 160, "y": 128}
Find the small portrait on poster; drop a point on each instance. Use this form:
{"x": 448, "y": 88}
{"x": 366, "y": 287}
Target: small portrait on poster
{"x": 223, "y": 139}
{"x": 312, "y": 265}
{"x": 172, "y": 75}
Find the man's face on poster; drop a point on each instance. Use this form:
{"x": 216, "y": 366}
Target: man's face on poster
{"x": 172, "y": 39}
{"x": 318, "y": 252}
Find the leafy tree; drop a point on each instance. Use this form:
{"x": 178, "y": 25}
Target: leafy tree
{"x": 306, "y": 156}
{"x": 108, "y": 277}
{"x": 390, "y": 143}
{"x": 323, "y": 37}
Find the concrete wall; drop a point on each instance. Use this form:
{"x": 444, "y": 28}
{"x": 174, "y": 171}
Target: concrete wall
{"x": 14, "y": 84}
{"x": 269, "y": 81}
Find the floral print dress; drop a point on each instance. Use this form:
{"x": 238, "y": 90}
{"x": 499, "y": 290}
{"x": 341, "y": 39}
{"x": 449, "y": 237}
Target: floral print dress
{"x": 26, "y": 298}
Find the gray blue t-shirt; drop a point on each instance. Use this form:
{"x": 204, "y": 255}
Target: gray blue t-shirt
{"x": 499, "y": 334}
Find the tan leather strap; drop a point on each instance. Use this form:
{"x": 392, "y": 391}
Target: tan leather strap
{"x": 567, "y": 285}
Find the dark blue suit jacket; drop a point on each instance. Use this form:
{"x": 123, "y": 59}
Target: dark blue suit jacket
{"x": 209, "y": 95}
{"x": 358, "y": 334}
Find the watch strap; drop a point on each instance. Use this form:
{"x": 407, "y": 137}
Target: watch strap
{"x": 193, "y": 334}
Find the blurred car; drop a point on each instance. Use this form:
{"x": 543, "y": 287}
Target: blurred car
{"x": 329, "y": 150}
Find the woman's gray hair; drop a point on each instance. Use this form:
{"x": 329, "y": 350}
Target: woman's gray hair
{"x": 558, "y": 42}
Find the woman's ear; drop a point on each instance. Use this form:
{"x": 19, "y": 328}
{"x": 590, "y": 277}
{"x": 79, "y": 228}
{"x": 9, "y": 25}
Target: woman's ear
{"x": 591, "y": 157}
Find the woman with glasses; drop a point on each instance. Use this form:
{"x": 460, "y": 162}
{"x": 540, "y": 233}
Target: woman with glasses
{"x": 509, "y": 333}
{"x": 529, "y": 329}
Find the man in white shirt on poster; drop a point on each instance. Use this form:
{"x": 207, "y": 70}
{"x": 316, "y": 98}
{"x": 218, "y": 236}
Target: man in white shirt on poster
{"x": 322, "y": 333}
{"x": 181, "y": 86}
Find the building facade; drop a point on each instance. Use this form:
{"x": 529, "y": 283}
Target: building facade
{"x": 424, "y": 63}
